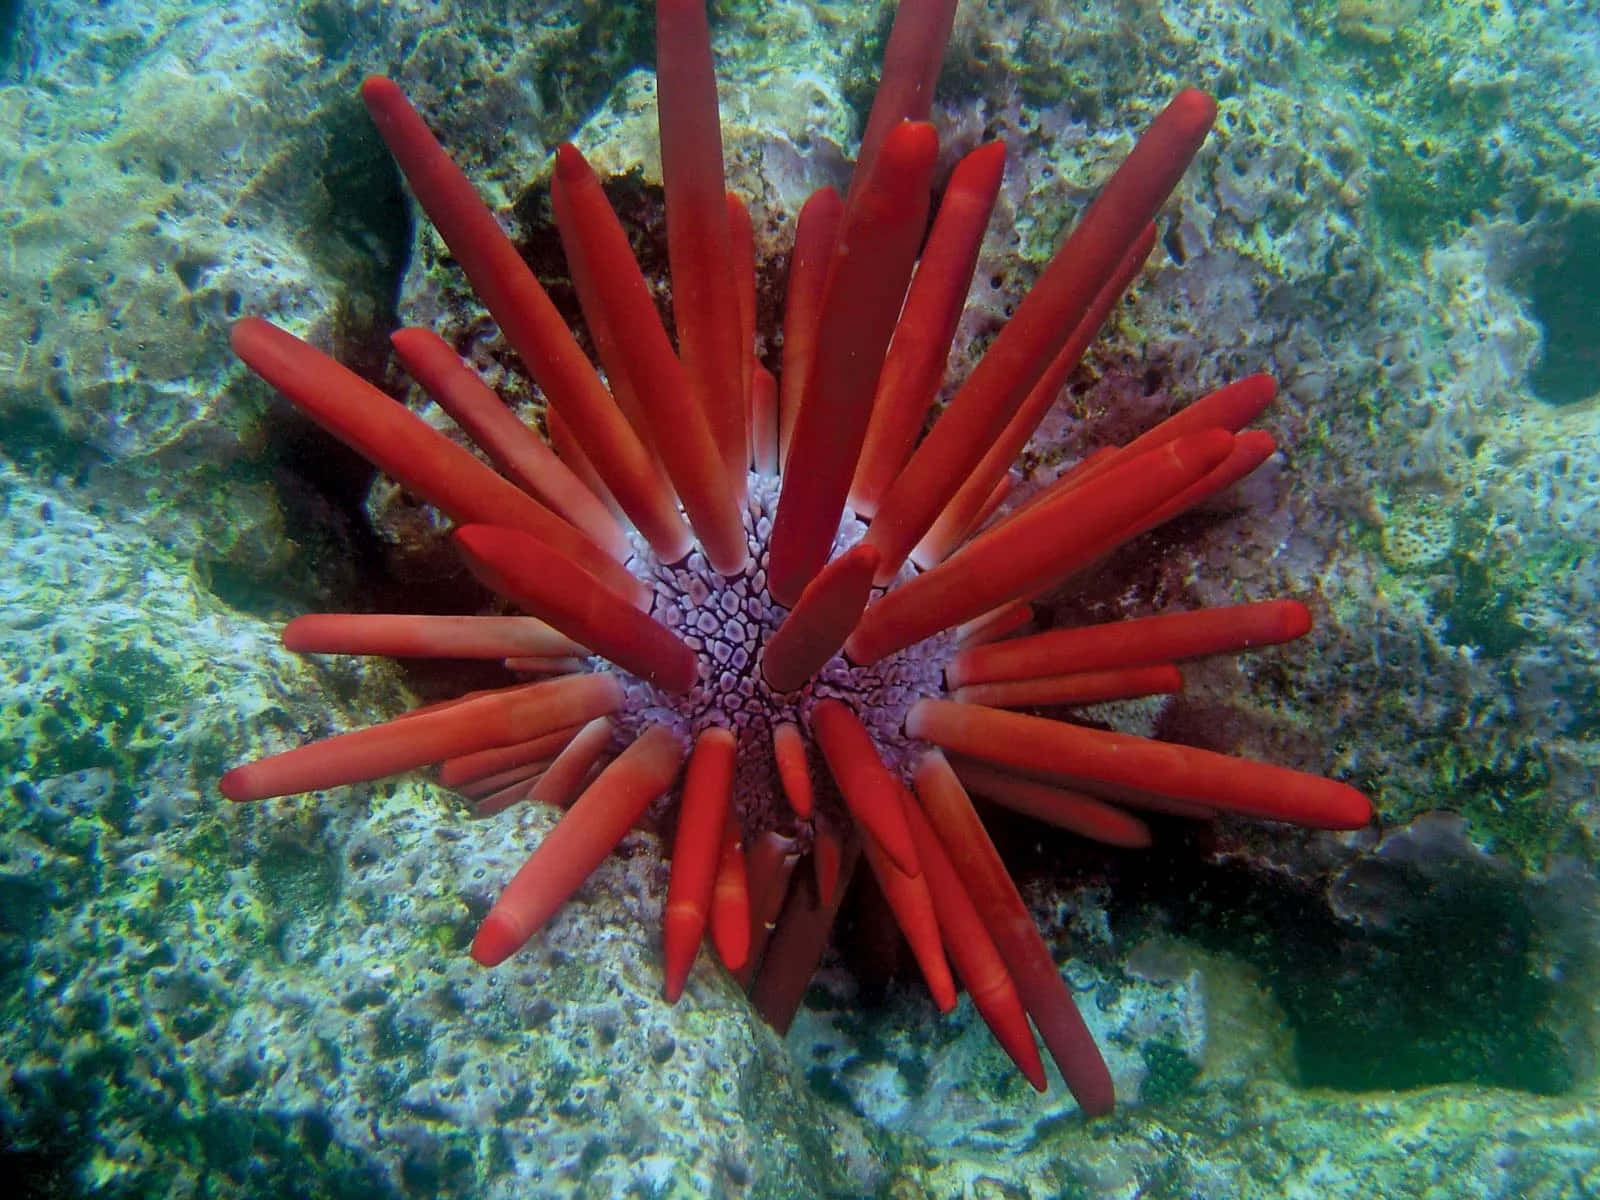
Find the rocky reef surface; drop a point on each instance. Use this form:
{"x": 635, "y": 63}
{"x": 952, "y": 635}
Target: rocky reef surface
{"x": 1392, "y": 218}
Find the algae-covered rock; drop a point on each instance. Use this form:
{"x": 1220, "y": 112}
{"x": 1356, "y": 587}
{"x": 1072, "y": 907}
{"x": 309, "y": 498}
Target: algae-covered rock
{"x": 275, "y": 999}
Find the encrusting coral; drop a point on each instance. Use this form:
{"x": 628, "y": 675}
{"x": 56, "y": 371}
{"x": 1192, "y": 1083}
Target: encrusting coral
{"x": 858, "y": 615}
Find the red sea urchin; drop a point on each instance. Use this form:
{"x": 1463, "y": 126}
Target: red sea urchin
{"x": 819, "y": 620}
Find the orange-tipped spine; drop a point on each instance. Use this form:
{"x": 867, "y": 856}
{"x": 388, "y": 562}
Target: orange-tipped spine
{"x": 1028, "y": 960}
{"x": 702, "y": 816}
{"x": 870, "y": 793}
{"x": 820, "y": 621}
{"x": 583, "y": 837}
{"x": 1082, "y": 757}
{"x": 1141, "y": 641}
{"x": 877, "y": 246}
{"x": 973, "y": 953}
{"x": 1017, "y": 558}
{"x": 422, "y": 738}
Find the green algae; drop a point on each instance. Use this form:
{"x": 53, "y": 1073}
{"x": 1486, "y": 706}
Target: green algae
{"x": 300, "y": 889}
{"x": 1483, "y": 605}
{"x": 1502, "y": 787}
{"x": 1474, "y": 593}
{"x": 110, "y": 713}
{"x": 1170, "y": 1073}
{"x": 1451, "y": 129}
{"x": 1433, "y": 168}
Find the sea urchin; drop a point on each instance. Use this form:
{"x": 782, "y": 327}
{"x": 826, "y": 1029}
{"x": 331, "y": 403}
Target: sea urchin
{"x": 834, "y": 655}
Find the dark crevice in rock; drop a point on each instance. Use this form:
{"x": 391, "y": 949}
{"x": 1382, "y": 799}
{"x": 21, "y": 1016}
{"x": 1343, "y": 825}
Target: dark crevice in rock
{"x": 362, "y": 233}
{"x": 1407, "y": 970}
{"x": 10, "y": 15}
{"x": 1562, "y": 286}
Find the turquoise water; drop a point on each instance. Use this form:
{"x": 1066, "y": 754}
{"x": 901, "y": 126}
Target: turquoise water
{"x": 1394, "y": 215}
